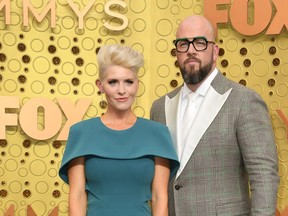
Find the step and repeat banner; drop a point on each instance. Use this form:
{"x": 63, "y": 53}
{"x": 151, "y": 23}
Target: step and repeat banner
{"x": 48, "y": 71}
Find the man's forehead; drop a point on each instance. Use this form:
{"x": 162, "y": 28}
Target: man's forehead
{"x": 191, "y": 32}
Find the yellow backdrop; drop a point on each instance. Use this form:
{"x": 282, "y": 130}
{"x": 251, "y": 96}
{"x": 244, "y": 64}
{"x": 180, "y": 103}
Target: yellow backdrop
{"x": 40, "y": 61}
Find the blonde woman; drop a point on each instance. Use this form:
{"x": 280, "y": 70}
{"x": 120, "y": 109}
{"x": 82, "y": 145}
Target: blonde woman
{"x": 117, "y": 163}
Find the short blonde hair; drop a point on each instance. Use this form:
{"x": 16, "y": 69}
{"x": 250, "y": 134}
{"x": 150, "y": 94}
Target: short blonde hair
{"x": 124, "y": 56}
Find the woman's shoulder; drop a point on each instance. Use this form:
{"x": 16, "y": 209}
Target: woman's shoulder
{"x": 86, "y": 123}
{"x": 151, "y": 123}
{"x": 153, "y": 131}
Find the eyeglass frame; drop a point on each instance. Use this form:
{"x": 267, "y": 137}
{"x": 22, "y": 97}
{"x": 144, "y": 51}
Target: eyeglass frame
{"x": 192, "y": 42}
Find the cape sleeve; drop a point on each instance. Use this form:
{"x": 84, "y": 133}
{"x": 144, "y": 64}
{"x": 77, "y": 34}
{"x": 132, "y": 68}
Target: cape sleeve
{"x": 159, "y": 143}
{"x": 74, "y": 148}
{"x": 91, "y": 138}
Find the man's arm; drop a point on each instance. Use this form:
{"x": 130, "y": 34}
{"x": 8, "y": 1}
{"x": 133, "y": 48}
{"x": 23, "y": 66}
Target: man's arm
{"x": 157, "y": 112}
{"x": 256, "y": 140}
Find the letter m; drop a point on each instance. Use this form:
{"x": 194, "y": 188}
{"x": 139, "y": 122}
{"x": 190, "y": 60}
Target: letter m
{"x": 39, "y": 17}
{"x": 6, "y": 3}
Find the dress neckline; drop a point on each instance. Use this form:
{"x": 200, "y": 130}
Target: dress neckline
{"x": 122, "y": 130}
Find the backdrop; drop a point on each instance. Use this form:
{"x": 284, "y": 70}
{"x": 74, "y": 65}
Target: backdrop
{"x": 48, "y": 62}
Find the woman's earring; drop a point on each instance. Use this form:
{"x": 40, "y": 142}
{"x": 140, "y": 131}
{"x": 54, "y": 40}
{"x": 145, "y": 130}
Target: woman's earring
{"x": 103, "y": 104}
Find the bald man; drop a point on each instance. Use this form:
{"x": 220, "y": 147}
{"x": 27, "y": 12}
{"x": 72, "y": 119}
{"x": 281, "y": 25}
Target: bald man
{"x": 226, "y": 148}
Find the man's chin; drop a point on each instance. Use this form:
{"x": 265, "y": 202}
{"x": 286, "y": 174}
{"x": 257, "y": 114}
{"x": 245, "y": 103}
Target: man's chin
{"x": 192, "y": 71}
{"x": 192, "y": 66}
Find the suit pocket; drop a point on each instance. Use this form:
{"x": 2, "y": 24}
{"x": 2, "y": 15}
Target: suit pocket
{"x": 233, "y": 208}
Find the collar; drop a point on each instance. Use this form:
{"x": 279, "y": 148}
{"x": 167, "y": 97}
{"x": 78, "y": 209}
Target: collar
{"x": 203, "y": 88}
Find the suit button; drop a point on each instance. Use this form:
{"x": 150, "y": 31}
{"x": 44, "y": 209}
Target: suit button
{"x": 177, "y": 187}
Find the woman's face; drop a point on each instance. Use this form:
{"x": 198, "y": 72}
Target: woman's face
{"x": 120, "y": 87}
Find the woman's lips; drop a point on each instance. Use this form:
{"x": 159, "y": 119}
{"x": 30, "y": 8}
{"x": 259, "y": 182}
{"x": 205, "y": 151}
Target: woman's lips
{"x": 122, "y": 99}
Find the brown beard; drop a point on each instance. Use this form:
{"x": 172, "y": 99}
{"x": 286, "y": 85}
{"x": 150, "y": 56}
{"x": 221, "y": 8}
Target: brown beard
{"x": 194, "y": 76}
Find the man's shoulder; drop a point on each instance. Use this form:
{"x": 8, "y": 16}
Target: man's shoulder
{"x": 170, "y": 94}
{"x": 222, "y": 83}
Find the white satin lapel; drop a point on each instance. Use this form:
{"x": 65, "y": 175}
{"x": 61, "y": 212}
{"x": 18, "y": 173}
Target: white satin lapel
{"x": 210, "y": 107}
{"x": 171, "y": 112}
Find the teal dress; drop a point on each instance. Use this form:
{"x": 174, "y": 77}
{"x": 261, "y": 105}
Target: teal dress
{"x": 119, "y": 165}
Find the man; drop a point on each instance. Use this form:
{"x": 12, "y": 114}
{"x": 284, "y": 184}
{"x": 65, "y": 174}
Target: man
{"x": 230, "y": 141}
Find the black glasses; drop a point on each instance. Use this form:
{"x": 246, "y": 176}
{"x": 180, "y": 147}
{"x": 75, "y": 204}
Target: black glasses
{"x": 199, "y": 43}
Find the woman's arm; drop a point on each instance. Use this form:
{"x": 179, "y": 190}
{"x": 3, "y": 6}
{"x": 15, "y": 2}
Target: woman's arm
{"x": 77, "y": 192}
{"x": 160, "y": 187}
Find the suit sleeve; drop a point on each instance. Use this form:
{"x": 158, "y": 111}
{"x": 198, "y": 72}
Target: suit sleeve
{"x": 256, "y": 141}
{"x": 157, "y": 112}
{"x": 152, "y": 111}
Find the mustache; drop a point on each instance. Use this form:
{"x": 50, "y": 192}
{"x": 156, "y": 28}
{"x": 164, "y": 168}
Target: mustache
{"x": 192, "y": 59}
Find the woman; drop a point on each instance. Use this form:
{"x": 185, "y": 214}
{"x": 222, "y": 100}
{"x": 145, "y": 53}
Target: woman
{"x": 118, "y": 163}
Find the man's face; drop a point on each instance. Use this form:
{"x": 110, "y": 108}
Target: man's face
{"x": 195, "y": 65}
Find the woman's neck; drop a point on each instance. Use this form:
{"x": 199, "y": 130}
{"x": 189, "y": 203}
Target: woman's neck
{"x": 119, "y": 121}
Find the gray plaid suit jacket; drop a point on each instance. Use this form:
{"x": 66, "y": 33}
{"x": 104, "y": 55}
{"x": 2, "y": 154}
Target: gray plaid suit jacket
{"x": 230, "y": 142}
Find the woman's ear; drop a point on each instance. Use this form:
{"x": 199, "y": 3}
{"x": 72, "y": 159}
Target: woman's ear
{"x": 99, "y": 85}
{"x": 138, "y": 84}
